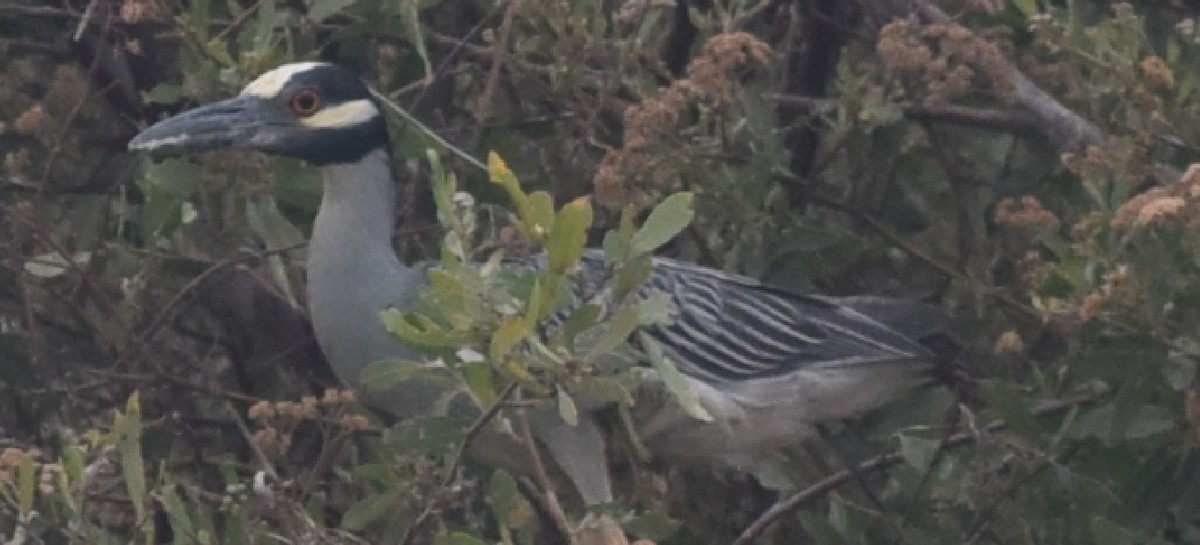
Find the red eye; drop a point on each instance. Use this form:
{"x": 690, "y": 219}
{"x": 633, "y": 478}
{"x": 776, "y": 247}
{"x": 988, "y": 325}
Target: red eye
{"x": 305, "y": 102}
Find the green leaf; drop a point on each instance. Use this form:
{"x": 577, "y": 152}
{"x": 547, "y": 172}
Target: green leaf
{"x": 618, "y": 248}
{"x": 267, "y": 222}
{"x": 165, "y": 187}
{"x": 917, "y": 451}
{"x": 673, "y": 380}
{"x": 619, "y": 327}
{"x": 421, "y": 331}
{"x": 26, "y": 486}
{"x": 538, "y": 217}
{"x": 427, "y": 435}
{"x": 1012, "y": 405}
{"x": 507, "y": 335}
{"x": 53, "y": 264}
{"x": 653, "y": 525}
{"x": 1107, "y": 532}
{"x": 1028, "y": 8}
{"x": 411, "y": 23}
{"x": 323, "y": 9}
{"x": 177, "y": 512}
{"x": 374, "y": 508}
{"x": 657, "y": 309}
{"x": 499, "y": 174}
{"x": 581, "y": 319}
{"x": 163, "y": 93}
{"x": 665, "y": 221}
{"x": 632, "y": 275}
{"x": 569, "y": 235}
{"x": 1150, "y": 420}
{"x": 503, "y": 497}
{"x": 383, "y": 375}
{"x": 603, "y": 391}
{"x": 128, "y": 429}
{"x": 480, "y": 379}
{"x": 457, "y": 538}
{"x": 566, "y": 407}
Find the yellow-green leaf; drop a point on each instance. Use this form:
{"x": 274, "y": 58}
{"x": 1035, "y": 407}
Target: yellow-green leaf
{"x": 620, "y": 327}
{"x": 479, "y": 379}
{"x": 500, "y": 174}
{"x": 457, "y": 538}
{"x": 421, "y": 331}
{"x": 503, "y": 496}
{"x": 673, "y": 380}
{"x": 665, "y": 221}
{"x": 538, "y": 217}
{"x": 128, "y": 427}
{"x": 519, "y": 372}
{"x": 635, "y": 271}
{"x": 323, "y": 9}
{"x": 507, "y": 335}
{"x": 26, "y": 484}
{"x": 569, "y": 235}
{"x": 579, "y": 320}
{"x": 566, "y": 407}
{"x": 384, "y": 375}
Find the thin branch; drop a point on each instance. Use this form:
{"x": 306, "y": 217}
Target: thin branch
{"x": 499, "y": 59}
{"x": 459, "y": 455}
{"x": 175, "y": 304}
{"x": 1009, "y": 120}
{"x": 548, "y": 496}
{"x": 820, "y": 488}
{"x": 237, "y": 22}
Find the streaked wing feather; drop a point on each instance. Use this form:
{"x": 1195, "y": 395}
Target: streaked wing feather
{"x": 731, "y": 327}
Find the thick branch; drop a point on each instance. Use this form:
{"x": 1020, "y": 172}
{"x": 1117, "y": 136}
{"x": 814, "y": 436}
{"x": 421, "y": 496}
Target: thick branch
{"x": 1070, "y": 131}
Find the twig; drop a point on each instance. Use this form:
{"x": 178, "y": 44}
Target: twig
{"x": 263, "y": 461}
{"x": 173, "y": 305}
{"x": 460, "y": 454}
{"x": 237, "y": 22}
{"x": 499, "y": 58}
{"x": 35, "y": 11}
{"x": 549, "y": 497}
{"x": 85, "y": 20}
{"x": 886, "y": 461}
{"x": 1015, "y": 121}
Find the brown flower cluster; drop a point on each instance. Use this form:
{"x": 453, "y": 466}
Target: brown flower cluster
{"x": 11, "y": 458}
{"x": 1158, "y": 75}
{"x": 280, "y": 418}
{"x": 709, "y": 81}
{"x": 1009, "y": 342}
{"x": 1153, "y": 206}
{"x": 1117, "y": 160}
{"x": 139, "y": 11}
{"x": 944, "y": 60}
{"x": 1026, "y": 213}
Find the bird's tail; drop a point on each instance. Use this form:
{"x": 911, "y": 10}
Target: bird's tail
{"x": 927, "y": 325}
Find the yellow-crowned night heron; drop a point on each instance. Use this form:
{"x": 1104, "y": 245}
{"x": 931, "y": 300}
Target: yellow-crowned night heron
{"x": 766, "y": 364}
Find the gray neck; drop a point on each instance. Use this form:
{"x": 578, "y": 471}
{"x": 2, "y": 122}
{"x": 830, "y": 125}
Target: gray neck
{"x": 353, "y": 274}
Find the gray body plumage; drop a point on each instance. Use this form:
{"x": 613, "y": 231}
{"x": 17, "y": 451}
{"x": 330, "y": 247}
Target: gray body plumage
{"x": 766, "y": 364}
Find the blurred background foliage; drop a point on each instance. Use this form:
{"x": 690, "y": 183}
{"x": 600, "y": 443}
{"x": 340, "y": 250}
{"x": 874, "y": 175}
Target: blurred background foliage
{"x": 1023, "y": 164}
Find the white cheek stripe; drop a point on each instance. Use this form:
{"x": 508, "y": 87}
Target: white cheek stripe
{"x": 162, "y": 142}
{"x": 345, "y": 114}
{"x": 271, "y": 83}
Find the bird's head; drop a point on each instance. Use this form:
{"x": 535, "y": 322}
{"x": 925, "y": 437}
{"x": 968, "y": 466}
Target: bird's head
{"x": 314, "y": 111}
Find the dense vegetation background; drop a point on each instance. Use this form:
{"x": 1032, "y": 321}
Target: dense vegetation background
{"x": 1022, "y": 164}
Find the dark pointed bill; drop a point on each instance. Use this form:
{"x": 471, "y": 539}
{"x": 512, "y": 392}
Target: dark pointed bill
{"x": 240, "y": 122}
